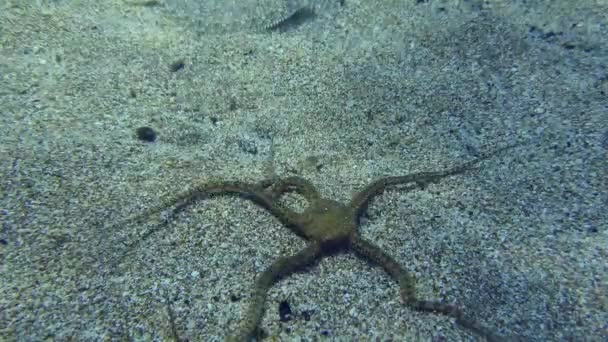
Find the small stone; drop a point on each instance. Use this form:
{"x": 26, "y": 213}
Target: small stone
{"x": 177, "y": 65}
{"x": 285, "y": 314}
{"x": 146, "y": 134}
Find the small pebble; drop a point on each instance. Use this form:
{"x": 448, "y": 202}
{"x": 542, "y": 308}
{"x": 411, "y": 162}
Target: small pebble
{"x": 146, "y": 134}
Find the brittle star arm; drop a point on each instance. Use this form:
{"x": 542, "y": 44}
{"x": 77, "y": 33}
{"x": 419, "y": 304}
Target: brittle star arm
{"x": 420, "y": 179}
{"x": 280, "y": 268}
{"x": 296, "y": 184}
{"x": 407, "y": 287}
{"x": 367, "y": 250}
{"x": 297, "y": 221}
{"x": 252, "y": 191}
{"x": 360, "y": 200}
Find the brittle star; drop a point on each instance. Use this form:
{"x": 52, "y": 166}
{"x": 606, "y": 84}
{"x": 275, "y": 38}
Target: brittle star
{"x": 329, "y": 227}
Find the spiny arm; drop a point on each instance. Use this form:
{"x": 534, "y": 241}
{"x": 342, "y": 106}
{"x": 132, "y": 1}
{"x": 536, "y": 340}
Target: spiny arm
{"x": 421, "y": 179}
